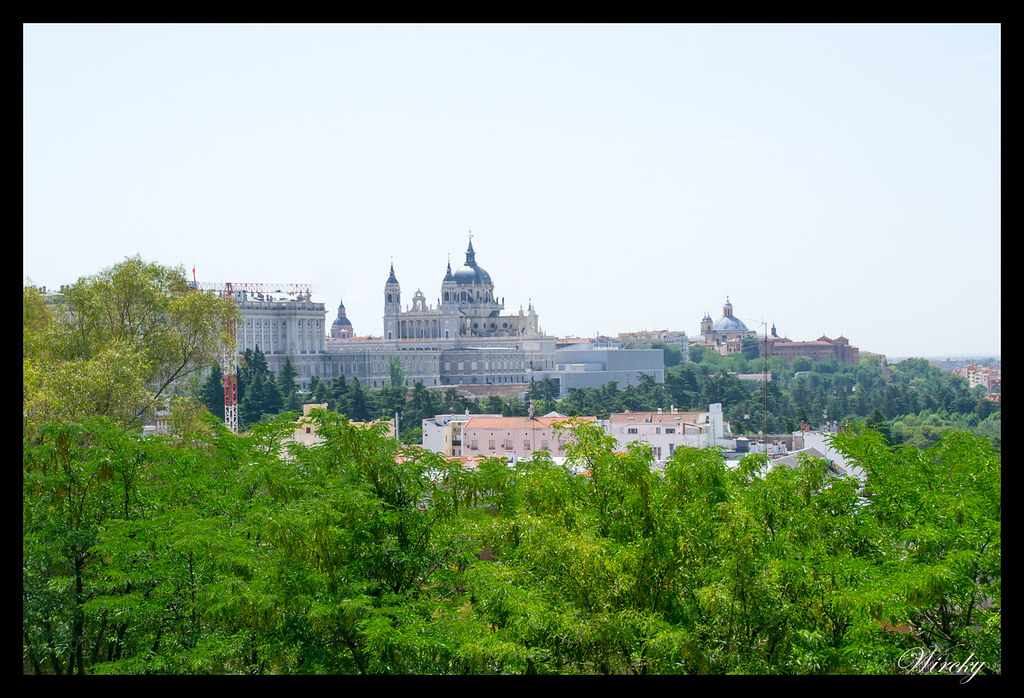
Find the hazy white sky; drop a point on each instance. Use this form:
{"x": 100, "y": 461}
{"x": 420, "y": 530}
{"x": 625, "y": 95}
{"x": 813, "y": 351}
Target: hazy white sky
{"x": 832, "y": 179}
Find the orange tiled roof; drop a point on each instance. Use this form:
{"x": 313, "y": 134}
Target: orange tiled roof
{"x": 518, "y": 422}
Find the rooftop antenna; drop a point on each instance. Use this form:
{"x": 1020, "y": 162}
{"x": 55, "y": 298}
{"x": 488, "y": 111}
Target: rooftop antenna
{"x": 764, "y": 378}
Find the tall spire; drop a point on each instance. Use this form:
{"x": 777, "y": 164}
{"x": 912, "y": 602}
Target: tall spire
{"x": 470, "y": 254}
{"x": 392, "y": 279}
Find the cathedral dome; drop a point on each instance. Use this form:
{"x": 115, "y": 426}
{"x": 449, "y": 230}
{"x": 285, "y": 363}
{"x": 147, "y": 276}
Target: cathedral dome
{"x": 471, "y": 273}
{"x": 341, "y": 320}
{"x": 729, "y": 323}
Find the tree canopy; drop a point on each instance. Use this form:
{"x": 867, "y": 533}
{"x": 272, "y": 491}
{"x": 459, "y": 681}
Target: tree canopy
{"x": 116, "y": 343}
{"x": 239, "y": 554}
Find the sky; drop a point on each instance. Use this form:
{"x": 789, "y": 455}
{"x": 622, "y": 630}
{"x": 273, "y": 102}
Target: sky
{"x": 828, "y": 179}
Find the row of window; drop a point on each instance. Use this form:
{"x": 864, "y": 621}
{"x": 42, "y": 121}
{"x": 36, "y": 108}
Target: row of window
{"x": 657, "y": 430}
{"x": 384, "y": 367}
{"x": 496, "y": 365}
{"x": 284, "y": 323}
{"x": 508, "y": 446}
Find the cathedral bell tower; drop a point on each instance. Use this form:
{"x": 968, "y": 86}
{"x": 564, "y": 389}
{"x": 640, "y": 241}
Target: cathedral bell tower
{"x": 392, "y": 305}
{"x": 448, "y": 288}
{"x": 705, "y": 325}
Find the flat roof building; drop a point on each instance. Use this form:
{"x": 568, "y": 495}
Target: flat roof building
{"x": 518, "y": 436}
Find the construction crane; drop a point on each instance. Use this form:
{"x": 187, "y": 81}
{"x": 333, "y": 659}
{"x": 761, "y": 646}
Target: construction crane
{"x": 228, "y": 356}
{"x": 241, "y": 290}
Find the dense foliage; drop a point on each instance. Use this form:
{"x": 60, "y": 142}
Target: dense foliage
{"x": 117, "y": 343}
{"x": 919, "y": 401}
{"x": 207, "y": 552}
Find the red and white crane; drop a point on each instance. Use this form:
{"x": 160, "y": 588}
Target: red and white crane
{"x": 228, "y": 357}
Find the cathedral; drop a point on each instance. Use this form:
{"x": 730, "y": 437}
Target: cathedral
{"x": 466, "y": 308}
{"x": 464, "y": 340}
{"x": 726, "y": 329}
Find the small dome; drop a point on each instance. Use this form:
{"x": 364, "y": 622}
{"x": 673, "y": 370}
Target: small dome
{"x": 342, "y": 320}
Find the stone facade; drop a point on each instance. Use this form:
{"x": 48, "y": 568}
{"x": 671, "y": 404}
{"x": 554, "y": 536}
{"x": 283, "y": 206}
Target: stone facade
{"x": 281, "y": 327}
{"x": 463, "y": 340}
{"x": 467, "y": 308}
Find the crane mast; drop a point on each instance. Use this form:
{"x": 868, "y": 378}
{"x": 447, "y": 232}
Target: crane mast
{"x": 229, "y": 370}
{"x": 228, "y": 356}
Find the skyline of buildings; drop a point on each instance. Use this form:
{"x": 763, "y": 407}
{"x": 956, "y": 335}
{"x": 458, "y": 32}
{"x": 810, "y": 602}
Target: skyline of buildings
{"x": 466, "y": 339}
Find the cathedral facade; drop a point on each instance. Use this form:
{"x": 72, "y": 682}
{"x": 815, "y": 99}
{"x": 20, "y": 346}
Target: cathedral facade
{"x": 465, "y": 339}
{"x": 467, "y": 308}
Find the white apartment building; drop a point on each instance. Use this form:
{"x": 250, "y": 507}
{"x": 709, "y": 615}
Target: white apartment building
{"x": 443, "y": 433}
{"x": 664, "y": 431}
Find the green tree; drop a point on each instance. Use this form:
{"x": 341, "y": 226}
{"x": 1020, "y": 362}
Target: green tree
{"x": 673, "y": 355}
{"x": 494, "y": 404}
{"x": 422, "y": 404}
{"x": 393, "y": 395}
{"x": 697, "y": 354}
{"x": 117, "y": 342}
{"x": 751, "y": 347}
{"x": 802, "y": 363}
{"x": 212, "y": 392}
{"x": 878, "y": 422}
{"x": 935, "y": 518}
{"x": 273, "y": 403}
{"x": 252, "y": 407}
{"x": 285, "y": 379}
{"x": 359, "y": 409}
{"x": 319, "y": 392}
{"x": 69, "y": 490}
{"x": 339, "y": 395}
